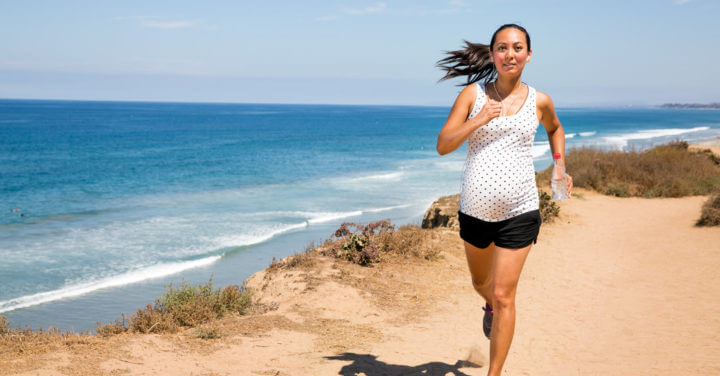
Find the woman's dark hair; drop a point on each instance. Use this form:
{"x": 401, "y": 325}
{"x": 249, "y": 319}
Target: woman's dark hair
{"x": 474, "y": 60}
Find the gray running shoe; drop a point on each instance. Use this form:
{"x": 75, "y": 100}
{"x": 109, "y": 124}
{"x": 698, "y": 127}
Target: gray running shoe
{"x": 487, "y": 320}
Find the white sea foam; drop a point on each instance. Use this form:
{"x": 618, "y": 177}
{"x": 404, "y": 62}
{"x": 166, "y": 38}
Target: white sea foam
{"x": 319, "y": 217}
{"x": 587, "y": 134}
{"x": 386, "y": 208}
{"x": 384, "y": 176}
{"x": 570, "y": 135}
{"x": 247, "y": 239}
{"x": 539, "y": 149}
{"x": 622, "y": 140}
{"x": 307, "y": 215}
{"x": 333, "y": 216}
{"x": 134, "y": 276}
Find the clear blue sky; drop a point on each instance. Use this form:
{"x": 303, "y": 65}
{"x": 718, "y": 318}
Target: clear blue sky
{"x": 599, "y": 53}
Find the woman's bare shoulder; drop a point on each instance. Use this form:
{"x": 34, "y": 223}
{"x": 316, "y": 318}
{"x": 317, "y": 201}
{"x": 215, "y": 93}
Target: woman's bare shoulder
{"x": 470, "y": 90}
{"x": 466, "y": 98}
{"x": 543, "y": 100}
{"x": 545, "y": 108}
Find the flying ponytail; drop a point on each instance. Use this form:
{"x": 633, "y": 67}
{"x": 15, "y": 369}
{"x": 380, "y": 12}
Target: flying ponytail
{"x": 474, "y": 61}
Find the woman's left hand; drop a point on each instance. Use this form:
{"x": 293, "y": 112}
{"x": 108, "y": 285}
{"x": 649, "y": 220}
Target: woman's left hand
{"x": 568, "y": 186}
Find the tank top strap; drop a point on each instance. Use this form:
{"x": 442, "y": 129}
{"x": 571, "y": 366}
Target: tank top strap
{"x": 532, "y": 100}
{"x": 480, "y": 93}
{"x": 479, "y": 100}
{"x": 481, "y": 88}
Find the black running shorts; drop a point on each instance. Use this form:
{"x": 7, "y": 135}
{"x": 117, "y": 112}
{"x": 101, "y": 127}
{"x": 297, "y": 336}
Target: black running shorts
{"x": 516, "y": 232}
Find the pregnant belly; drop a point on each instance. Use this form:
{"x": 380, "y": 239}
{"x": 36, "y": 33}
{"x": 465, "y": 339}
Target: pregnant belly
{"x": 502, "y": 191}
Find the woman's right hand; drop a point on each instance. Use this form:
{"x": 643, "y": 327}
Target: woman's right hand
{"x": 490, "y": 110}
{"x": 458, "y": 127}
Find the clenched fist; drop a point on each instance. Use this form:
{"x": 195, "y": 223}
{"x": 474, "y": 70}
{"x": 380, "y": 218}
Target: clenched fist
{"x": 490, "y": 110}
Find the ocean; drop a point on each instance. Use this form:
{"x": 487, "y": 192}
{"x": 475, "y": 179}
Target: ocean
{"x": 105, "y": 203}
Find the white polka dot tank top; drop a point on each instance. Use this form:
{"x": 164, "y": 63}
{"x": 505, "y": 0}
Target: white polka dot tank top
{"x": 499, "y": 177}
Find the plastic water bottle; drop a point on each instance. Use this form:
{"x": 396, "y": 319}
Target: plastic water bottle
{"x": 558, "y": 180}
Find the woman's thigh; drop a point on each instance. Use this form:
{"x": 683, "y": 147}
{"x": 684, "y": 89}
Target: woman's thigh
{"x": 507, "y": 265}
{"x": 480, "y": 261}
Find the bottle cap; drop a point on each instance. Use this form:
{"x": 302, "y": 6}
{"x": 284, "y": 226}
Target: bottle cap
{"x": 556, "y": 156}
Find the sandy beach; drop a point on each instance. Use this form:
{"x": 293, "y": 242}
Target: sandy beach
{"x": 712, "y": 145}
{"x": 621, "y": 286}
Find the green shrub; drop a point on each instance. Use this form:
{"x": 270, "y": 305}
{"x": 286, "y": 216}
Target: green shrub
{"x": 186, "y": 305}
{"x": 357, "y": 243}
{"x": 367, "y": 244}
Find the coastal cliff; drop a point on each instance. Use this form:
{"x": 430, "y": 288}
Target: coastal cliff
{"x": 596, "y": 285}
{"x": 409, "y": 315}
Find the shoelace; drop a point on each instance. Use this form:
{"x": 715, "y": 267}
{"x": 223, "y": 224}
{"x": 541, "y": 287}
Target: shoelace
{"x": 487, "y": 308}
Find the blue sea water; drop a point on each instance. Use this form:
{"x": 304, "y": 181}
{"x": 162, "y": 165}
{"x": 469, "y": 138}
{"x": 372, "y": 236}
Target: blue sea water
{"x": 103, "y": 203}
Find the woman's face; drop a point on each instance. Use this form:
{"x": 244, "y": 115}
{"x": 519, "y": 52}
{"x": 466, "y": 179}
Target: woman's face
{"x": 510, "y": 52}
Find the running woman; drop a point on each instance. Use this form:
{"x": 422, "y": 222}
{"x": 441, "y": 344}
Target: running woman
{"x": 499, "y": 206}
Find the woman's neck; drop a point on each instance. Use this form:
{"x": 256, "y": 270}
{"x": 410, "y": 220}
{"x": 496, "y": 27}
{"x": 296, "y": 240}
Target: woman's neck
{"x": 507, "y": 85}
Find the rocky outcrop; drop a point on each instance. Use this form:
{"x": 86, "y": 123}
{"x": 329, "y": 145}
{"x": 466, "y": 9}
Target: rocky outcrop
{"x": 443, "y": 213}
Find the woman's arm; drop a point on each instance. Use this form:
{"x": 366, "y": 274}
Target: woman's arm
{"x": 555, "y": 132}
{"x": 457, "y": 129}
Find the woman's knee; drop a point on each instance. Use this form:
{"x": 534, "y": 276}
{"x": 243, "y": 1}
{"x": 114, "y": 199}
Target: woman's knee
{"x": 503, "y": 297}
{"x": 481, "y": 286}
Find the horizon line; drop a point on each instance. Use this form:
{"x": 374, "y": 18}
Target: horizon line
{"x": 643, "y": 106}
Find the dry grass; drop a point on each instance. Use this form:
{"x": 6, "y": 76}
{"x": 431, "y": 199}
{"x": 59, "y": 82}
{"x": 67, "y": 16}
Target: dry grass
{"x": 17, "y": 341}
{"x": 211, "y": 332}
{"x": 408, "y": 241}
{"x": 710, "y": 154}
{"x": 185, "y": 306}
{"x": 669, "y": 170}
{"x": 710, "y": 214}
{"x": 301, "y": 260}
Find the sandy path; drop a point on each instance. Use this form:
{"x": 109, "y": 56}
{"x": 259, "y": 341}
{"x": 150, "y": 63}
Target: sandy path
{"x": 624, "y": 286}
{"x": 617, "y": 286}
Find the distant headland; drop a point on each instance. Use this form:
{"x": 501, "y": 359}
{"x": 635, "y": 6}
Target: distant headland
{"x": 695, "y": 106}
